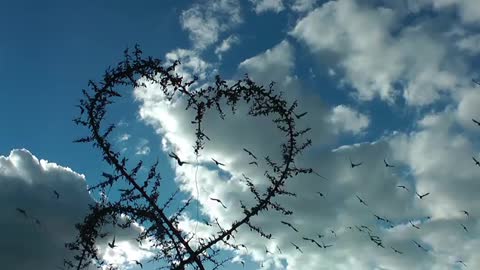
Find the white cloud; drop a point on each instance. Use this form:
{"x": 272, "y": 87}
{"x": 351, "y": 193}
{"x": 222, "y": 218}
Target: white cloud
{"x": 226, "y": 45}
{"x": 376, "y": 62}
{"x": 347, "y": 119}
{"x": 267, "y": 5}
{"x": 29, "y": 184}
{"x": 142, "y": 148}
{"x": 303, "y": 5}
{"x": 470, "y": 44}
{"x": 433, "y": 157}
{"x": 205, "y": 22}
{"x": 124, "y": 137}
{"x": 469, "y": 10}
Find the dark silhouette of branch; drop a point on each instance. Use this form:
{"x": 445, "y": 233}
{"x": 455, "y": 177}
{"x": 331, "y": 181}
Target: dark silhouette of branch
{"x": 141, "y": 202}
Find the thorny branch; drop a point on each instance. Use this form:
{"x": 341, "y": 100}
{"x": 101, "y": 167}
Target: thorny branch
{"x": 141, "y": 201}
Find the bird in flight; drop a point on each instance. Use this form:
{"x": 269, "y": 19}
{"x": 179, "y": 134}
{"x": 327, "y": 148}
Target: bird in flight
{"x": 243, "y": 264}
{"x": 313, "y": 241}
{"x": 289, "y": 225}
{"x": 112, "y": 245}
{"x": 217, "y": 163}
{"x": 413, "y": 225}
{"x": 461, "y": 262}
{"x": 296, "y": 247}
{"x": 253, "y": 163}
{"x": 361, "y": 201}
{"x": 139, "y": 263}
{"x": 267, "y": 251}
{"x": 396, "y": 250}
{"x": 365, "y": 227}
{"x": 298, "y": 116}
{"x": 217, "y": 200}
{"x": 333, "y": 232}
{"x": 353, "y": 165}
{"x": 420, "y": 246}
{"x": 22, "y": 211}
{"x": 279, "y": 250}
{"x": 404, "y": 187}
{"x": 387, "y": 164}
{"x": 319, "y": 175}
{"x": 464, "y": 228}
{"x": 465, "y": 212}
{"x": 179, "y": 161}
{"x": 476, "y": 161}
{"x": 320, "y": 236}
{"x": 37, "y": 221}
{"x": 326, "y": 246}
{"x": 422, "y": 196}
{"x": 249, "y": 153}
{"x": 56, "y": 194}
{"x": 320, "y": 193}
{"x": 476, "y": 122}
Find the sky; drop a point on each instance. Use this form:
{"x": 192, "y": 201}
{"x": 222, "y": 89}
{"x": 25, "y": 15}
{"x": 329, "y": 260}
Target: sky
{"x": 382, "y": 82}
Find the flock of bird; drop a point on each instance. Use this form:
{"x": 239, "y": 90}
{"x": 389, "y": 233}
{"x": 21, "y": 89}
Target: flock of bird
{"x": 361, "y": 228}
{"x": 320, "y": 244}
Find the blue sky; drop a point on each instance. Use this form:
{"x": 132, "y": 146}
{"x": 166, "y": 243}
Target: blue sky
{"x": 379, "y": 79}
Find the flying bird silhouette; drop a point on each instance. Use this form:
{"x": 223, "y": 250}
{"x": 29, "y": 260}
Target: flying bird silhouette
{"x": 253, "y": 163}
{"x": 267, "y": 251}
{"x": 313, "y": 241}
{"x": 298, "y": 116}
{"x": 289, "y": 225}
{"x": 296, "y": 247}
{"x": 319, "y": 175}
{"x": 420, "y": 246}
{"x": 22, "y": 211}
{"x": 461, "y": 262}
{"x": 422, "y": 196}
{"x": 396, "y": 250}
{"x": 476, "y": 161}
{"x": 361, "y": 201}
{"x": 333, "y": 232}
{"x": 465, "y": 212}
{"x": 326, "y": 246}
{"x": 179, "y": 161}
{"x": 387, "y": 164}
{"x": 217, "y": 200}
{"x": 413, "y": 225}
{"x": 404, "y": 187}
{"x": 320, "y": 193}
{"x": 243, "y": 264}
{"x": 365, "y": 227}
{"x": 138, "y": 263}
{"x": 464, "y": 228}
{"x": 279, "y": 250}
{"x": 218, "y": 163}
{"x": 476, "y": 122}
{"x": 250, "y": 153}
{"x": 353, "y": 165}
{"x": 320, "y": 236}
{"x": 112, "y": 245}
{"x": 37, "y": 221}
{"x": 56, "y": 194}
{"x": 379, "y": 217}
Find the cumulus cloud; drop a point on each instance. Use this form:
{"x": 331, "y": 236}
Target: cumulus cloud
{"x": 267, "y": 5}
{"x": 206, "y": 21}
{"x": 380, "y": 57}
{"x": 347, "y": 119}
{"x": 469, "y": 10}
{"x": 29, "y": 183}
{"x": 433, "y": 157}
